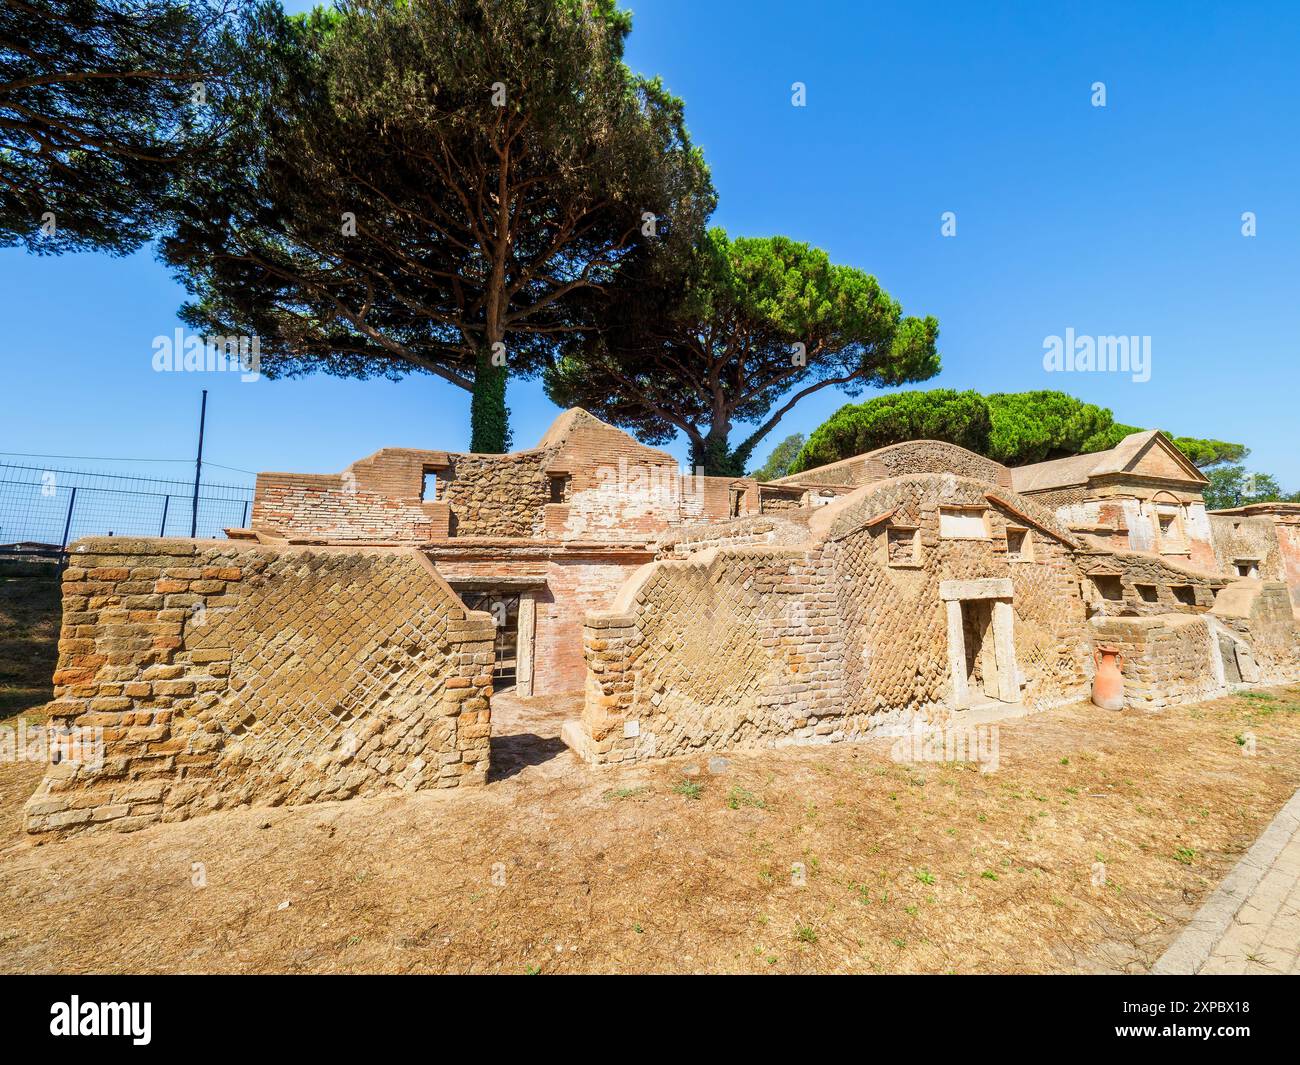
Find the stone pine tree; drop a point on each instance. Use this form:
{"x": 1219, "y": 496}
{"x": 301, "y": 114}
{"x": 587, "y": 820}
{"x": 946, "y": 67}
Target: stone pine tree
{"x": 738, "y": 333}
{"x": 102, "y": 104}
{"x": 430, "y": 185}
{"x": 1014, "y": 428}
{"x": 960, "y": 418}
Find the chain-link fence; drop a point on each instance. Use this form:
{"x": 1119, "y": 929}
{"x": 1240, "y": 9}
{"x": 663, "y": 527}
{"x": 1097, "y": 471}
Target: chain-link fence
{"x": 42, "y": 510}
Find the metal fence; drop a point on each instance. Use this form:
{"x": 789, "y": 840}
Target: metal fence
{"x": 42, "y": 510}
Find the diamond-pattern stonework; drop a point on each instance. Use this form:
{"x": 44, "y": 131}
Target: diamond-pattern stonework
{"x": 224, "y": 674}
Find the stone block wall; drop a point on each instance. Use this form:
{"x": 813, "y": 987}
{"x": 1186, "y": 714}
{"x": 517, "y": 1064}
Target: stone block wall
{"x": 1167, "y": 659}
{"x": 1260, "y": 611}
{"x": 220, "y": 673}
{"x": 495, "y": 495}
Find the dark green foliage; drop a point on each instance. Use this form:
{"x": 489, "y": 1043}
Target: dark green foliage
{"x": 1205, "y": 453}
{"x": 103, "y": 104}
{"x": 736, "y": 331}
{"x": 489, "y": 415}
{"x": 781, "y": 459}
{"x": 1015, "y": 428}
{"x": 1036, "y": 426}
{"x": 960, "y": 418}
{"x": 1233, "y": 486}
{"x": 425, "y": 182}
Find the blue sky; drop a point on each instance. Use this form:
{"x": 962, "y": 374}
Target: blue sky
{"x": 1117, "y": 220}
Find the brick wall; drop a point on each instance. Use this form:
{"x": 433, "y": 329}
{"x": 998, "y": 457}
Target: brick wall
{"x": 574, "y": 586}
{"x": 731, "y": 647}
{"x": 743, "y": 646}
{"x": 1167, "y": 660}
{"x": 334, "y": 507}
{"x": 896, "y": 649}
{"x": 613, "y": 488}
{"x": 1143, "y": 575}
{"x": 222, "y": 673}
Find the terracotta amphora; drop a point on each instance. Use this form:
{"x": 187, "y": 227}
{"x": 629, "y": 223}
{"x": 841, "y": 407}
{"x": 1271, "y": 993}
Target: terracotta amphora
{"x": 1108, "y": 684}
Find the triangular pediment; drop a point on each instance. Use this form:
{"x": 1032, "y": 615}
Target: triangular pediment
{"x": 1149, "y": 454}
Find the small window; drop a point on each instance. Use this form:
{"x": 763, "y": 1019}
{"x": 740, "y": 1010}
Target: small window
{"x": 429, "y": 490}
{"x": 1247, "y": 567}
{"x": 1169, "y": 526}
{"x": 963, "y": 523}
{"x": 1185, "y": 594}
{"x": 1017, "y": 544}
{"x": 1108, "y": 586}
{"x": 559, "y": 488}
{"x": 1148, "y": 593}
{"x": 901, "y": 540}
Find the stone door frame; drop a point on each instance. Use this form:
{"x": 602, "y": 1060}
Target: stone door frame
{"x": 1001, "y": 591}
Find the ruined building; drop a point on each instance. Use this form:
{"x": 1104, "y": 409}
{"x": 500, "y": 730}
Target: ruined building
{"x": 350, "y": 641}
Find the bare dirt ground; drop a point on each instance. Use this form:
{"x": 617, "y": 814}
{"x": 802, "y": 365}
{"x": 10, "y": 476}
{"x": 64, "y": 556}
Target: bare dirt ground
{"x": 555, "y": 868}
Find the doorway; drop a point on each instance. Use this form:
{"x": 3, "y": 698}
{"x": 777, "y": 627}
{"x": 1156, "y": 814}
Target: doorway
{"x": 980, "y": 649}
{"x": 981, "y": 642}
{"x": 504, "y": 608}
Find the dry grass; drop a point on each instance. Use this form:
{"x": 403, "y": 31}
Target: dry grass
{"x": 926, "y": 868}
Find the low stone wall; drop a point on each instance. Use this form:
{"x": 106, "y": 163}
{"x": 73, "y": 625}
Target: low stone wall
{"x": 219, "y": 673}
{"x": 1167, "y": 659}
{"x": 755, "y": 529}
{"x": 1249, "y": 637}
{"x": 729, "y": 648}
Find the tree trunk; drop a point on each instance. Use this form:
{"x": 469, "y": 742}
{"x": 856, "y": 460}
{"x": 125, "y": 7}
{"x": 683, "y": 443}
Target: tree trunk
{"x": 715, "y": 457}
{"x": 489, "y": 418}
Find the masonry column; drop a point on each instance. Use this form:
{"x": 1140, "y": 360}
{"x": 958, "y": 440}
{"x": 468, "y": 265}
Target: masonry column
{"x": 957, "y": 654}
{"x": 1005, "y": 645}
{"x": 524, "y": 644}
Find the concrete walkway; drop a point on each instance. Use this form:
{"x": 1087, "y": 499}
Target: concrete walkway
{"x": 1251, "y": 924}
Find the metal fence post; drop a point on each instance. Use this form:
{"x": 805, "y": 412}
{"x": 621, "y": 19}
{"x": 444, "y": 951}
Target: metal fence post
{"x": 198, "y": 466}
{"x": 162, "y": 531}
{"x": 67, "y": 527}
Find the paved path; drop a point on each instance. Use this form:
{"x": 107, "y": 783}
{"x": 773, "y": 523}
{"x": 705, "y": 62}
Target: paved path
{"x": 1251, "y": 924}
